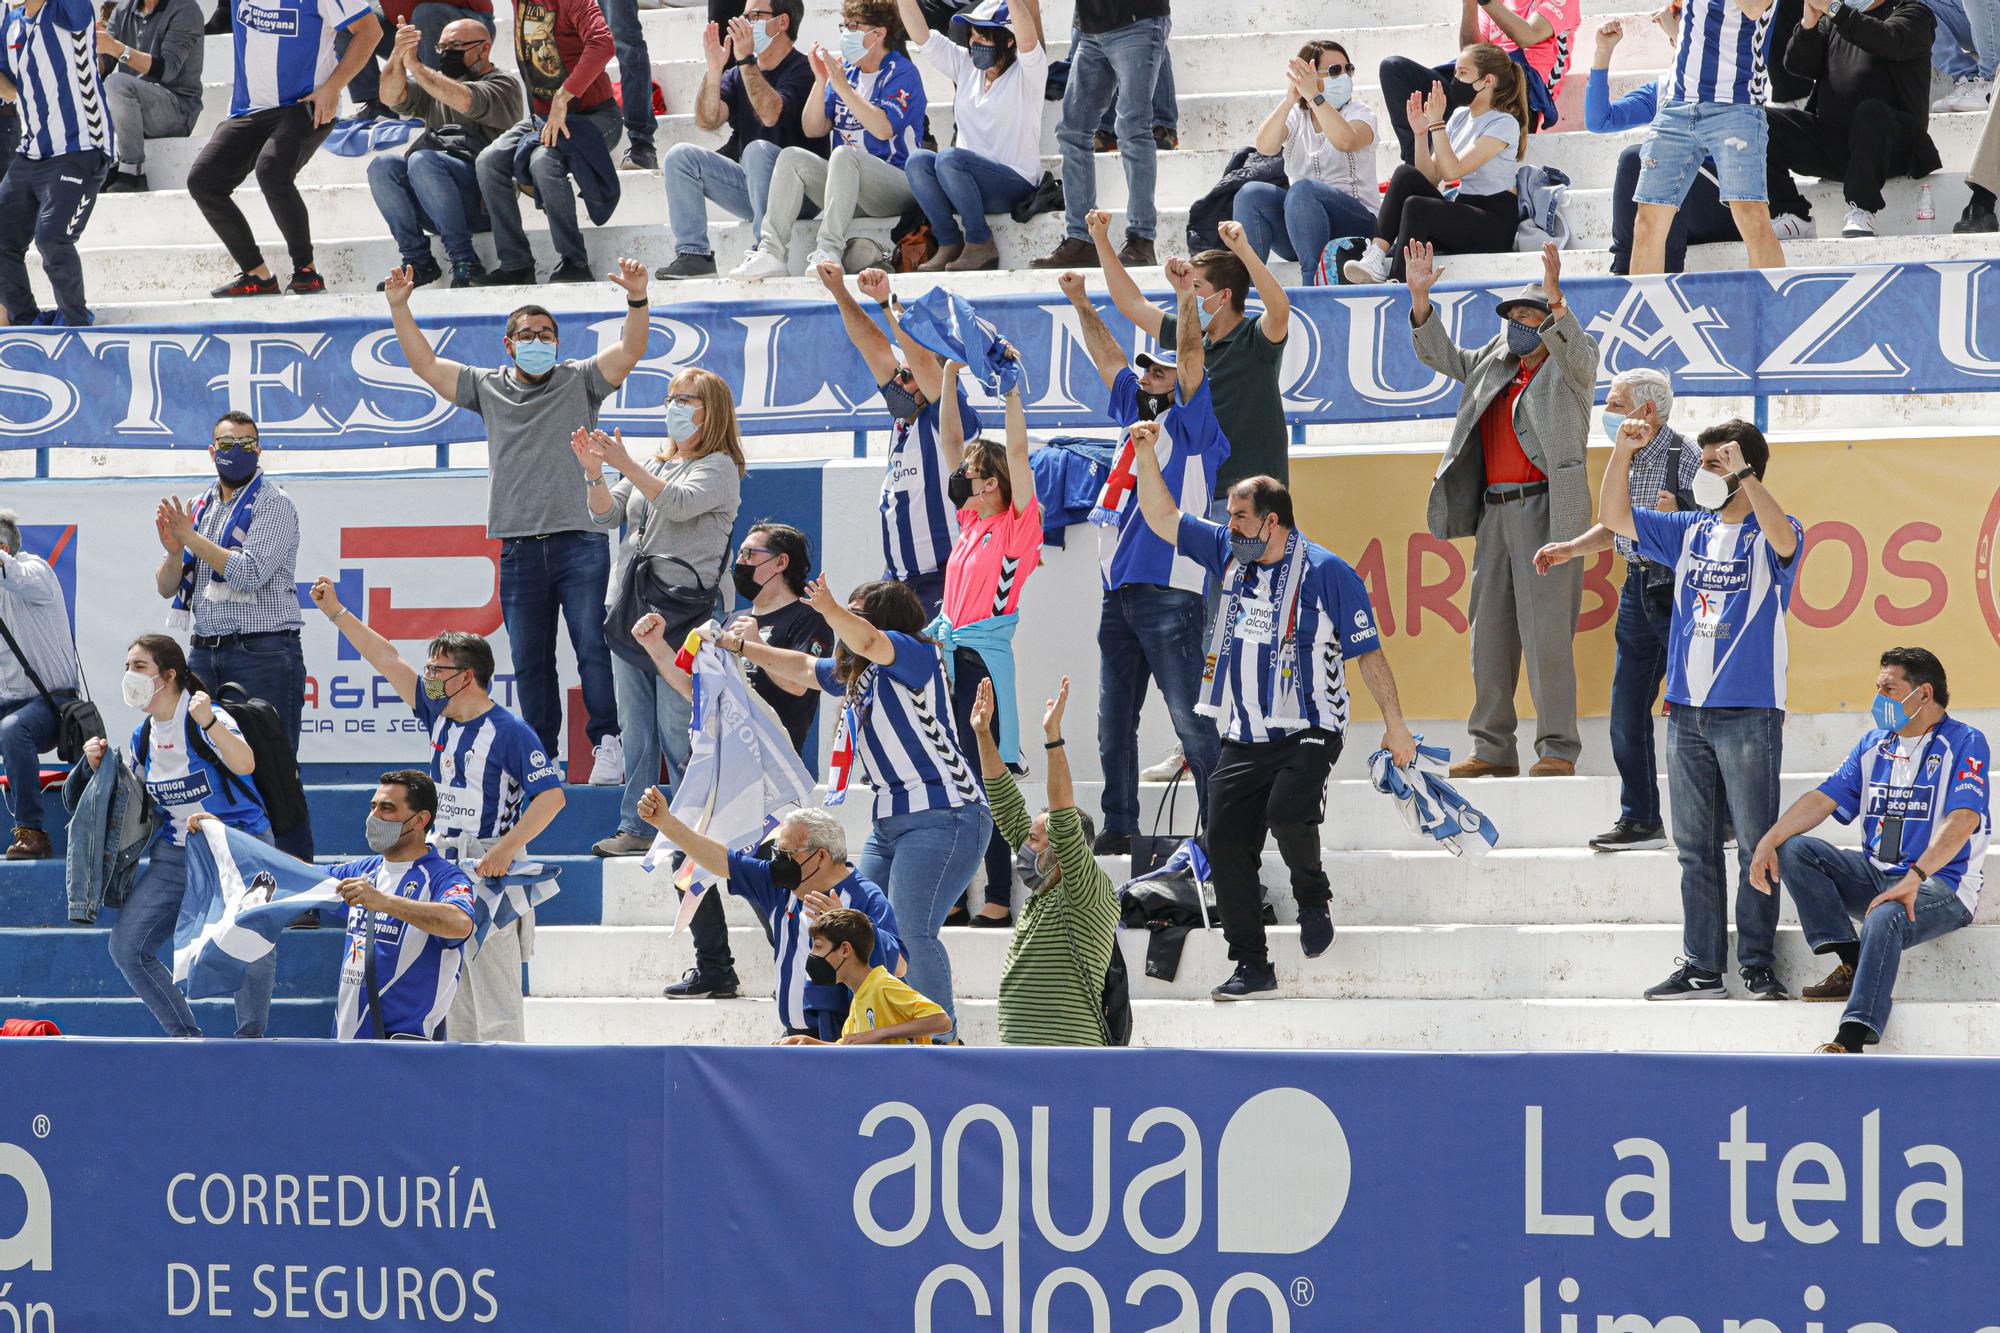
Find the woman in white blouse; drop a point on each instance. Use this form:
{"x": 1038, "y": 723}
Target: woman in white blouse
{"x": 1327, "y": 136}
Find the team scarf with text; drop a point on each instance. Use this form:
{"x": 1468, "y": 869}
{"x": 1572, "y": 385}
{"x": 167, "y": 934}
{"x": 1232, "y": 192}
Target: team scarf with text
{"x": 1281, "y": 706}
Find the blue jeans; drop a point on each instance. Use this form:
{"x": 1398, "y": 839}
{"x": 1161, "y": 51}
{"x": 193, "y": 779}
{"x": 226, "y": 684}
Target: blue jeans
{"x": 27, "y": 729}
{"x": 653, "y": 720}
{"x": 635, "y": 68}
{"x": 1684, "y": 134}
{"x": 695, "y": 178}
{"x": 428, "y": 191}
{"x": 146, "y": 922}
{"x": 495, "y": 168}
{"x": 271, "y": 667}
{"x": 1166, "y": 107}
{"x": 1967, "y": 42}
{"x": 1641, "y": 636}
{"x": 1106, "y": 68}
{"x": 1145, "y": 629}
{"x": 1722, "y": 766}
{"x": 961, "y": 181}
{"x": 1832, "y": 885}
{"x": 564, "y": 574}
{"x": 1298, "y": 222}
{"x": 923, "y": 862}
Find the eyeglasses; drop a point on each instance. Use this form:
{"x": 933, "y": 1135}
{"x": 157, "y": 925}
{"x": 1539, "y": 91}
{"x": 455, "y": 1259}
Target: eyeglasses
{"x": 796, "y": 855}
{"x": 754, "y": 550}
{"x": 685, "y": 399}
{"x": 534, "y": 336}
{"x": 439, "y": 670}
{"x": 757, "y": 15}
{"x": 229, "y": 443}
{"x": 461, "y": 47}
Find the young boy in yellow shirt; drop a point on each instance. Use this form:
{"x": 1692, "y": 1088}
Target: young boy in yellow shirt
{"x": 886, "y": 1011}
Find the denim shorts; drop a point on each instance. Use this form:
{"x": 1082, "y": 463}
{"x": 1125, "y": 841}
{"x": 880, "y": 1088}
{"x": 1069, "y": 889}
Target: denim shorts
{"x": 1684, "y": 133}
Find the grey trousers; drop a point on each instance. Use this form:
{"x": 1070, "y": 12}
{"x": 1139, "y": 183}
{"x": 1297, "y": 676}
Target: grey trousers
{"x": 852, "y": 183}
{"x": 489, "y": 1006}
{"x": 141, "y": 110}
{"x": 1516, "y": 612}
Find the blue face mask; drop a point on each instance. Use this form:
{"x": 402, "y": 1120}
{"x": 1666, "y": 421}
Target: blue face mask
{"x": 1609, "y": 422}
{"x": 982, "y": 57}
{"x": 1339, "y": 90}
{"x": 534, "y": 358}
{"x": 1521, "y": 339}
{"x": 1246, "y": 550}
{"x": 1890, "y": 714}
{"x": 680, "y": 422}
{"x": 761, "y": 38}
{"x": 1203, "y": 313}
{"x": 853, "y": 46}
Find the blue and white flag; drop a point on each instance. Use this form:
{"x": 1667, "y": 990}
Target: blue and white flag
{"x": 947, "y": 325}
{"x": 741, "y": 774}
{"x": 241, "y": 895}
{"x": 1430, "y": 805}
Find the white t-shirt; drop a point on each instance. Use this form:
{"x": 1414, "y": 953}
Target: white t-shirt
{"x": 1310, "y": 155}
{"x": 1001, "y": 120}
{"x": 1464, "y": 129}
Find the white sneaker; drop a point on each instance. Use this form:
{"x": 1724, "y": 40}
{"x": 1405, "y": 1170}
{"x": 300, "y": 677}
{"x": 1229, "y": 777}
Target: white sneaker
{"x": 1970, "y": 95}
{"x": 818, "y": 257}
{"x": 1372, "y": 267}
{"x": 1944, "y": 104}
{"x": 1860, "y": 223}
{"x": 1167, "y": 769}
{"x": 1792, "y": 227}
{"x": 758, "y": 265}
{"x": 607, "y": 767}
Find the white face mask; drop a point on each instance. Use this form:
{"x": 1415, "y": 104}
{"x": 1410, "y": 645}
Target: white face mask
{"x": 138, "y": 690}
{"x": 1711, "y": 489}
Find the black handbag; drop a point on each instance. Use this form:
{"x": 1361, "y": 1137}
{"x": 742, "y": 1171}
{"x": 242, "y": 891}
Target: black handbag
{"x": 77, "y": 721}
{"x": 1151, "y": 850}
{"x": 642, "y": 590}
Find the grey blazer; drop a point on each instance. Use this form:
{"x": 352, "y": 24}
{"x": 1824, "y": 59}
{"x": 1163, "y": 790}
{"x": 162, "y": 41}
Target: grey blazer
{"x": 1552, "y": 418}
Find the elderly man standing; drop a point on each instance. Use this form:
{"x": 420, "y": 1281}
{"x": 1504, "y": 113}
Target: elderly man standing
{"x": 38, "y": 675}
{"x": 1662, "y": 472}
{"x": 1512, "y": 479}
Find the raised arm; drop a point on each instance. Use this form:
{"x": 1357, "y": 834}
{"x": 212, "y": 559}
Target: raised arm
{"x": 375, "y": 650}
{"x": 1614, "y": 494}
{"x": 616, "y": 361}
{"x": 913, "y": 22}
{"x": 1156, "y": 502}
{"x": 709, "y": 854}
{"x": 1125, "y": 293}
{"x": 1020, "y": 468}
{"x": 863, "y": 332}
{"x": 1027, "y": 24}
{"x": 813, "y": 119}
{"x": 1771, "y": 516}
{"x": 1433, "y": 346}
{"x": 709, "y": 113}
{"x": 1105, "y": 353}
{"x": 395, "y": 77}
{"x": 1270, "y": 140}
{"x": 862, "y": 639}
{"x": 1276, "y": 321}
{"x": 432, "y": 369}
{"x": 1062, "y": 791}
{"x": 1190, "y": 357}
{"x": 767, "y": 102}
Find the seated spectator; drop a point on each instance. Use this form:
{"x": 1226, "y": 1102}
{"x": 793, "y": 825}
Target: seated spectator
{"x": 1327, "y": 137}
{"x": 1965, "y": 50}
{"x": 1868, "y": 118}
{"x": 561, "y": 48}
{"x": 38, "y": 675}
{"x": 154, "y": 88}
{"x": 757, "y": 84}
{"x": 1983, "y": 177}
{"x": 885, "y": 1010}
{"x": 1539, "y": 35}
{"x": 390, "y": 988}
{"x": 430, "y": 20}
{"x": 1478, "y": 146}
{"x": 1703, "y": 218}
{"x": 1918, "y": 781}
{"x": 465, "y": 103}
{"x": 871, "y": 97}
{"x": 997, "y": 119}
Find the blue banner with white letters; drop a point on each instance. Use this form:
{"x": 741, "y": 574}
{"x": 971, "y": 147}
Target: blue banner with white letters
{"x": 343, "y": 383}
{"x": 220, "y": 1185}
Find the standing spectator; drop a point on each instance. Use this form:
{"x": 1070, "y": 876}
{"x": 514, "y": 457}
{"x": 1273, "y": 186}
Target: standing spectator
{"x": 757, "y": 83}
{"x": 1918, "y": 782}
{"x": 1735, "y": 560}
{"x": 1513, "y": 480}
{"x": 561, "y": 48}
{"x": 1983, "y": 178}
{"x": 931, "y": 824}
{"x": 553, "y": 560}
{"x": 1662, "y": 470}
{"x": 997, "y": 118}
{"x": 635, "y": 83}
{"x": 1150, "y": 622}
{"x": 154, "y": 88}
{"x": 870, "y": 97}
{"x": 677, "y": 511}
{"x": 48, "y": 69}
{"x": 1478, "y": 145}
{"x": 918, "y": 527}
{"x": 286, "y": 95}
{"x": 1868, "y": 118}
{"x": 1166, "y": 105}
{"x": 1711, "y": 106}
{"x": 229, "y": 565}
{"x": 194, "y": 762}
{"x": 1965, "y": 49}
{"x": 1276, "y": 681}
{"x": 38, "y": 675}
{"x": 1537, "y": 35}
{"x": 465, "y": 103}
{"x": 1326, "y": 136}
{"x": 885, "y": 1010}
{"x": 1114, "y": 58}
{"x": 497, "y": 790}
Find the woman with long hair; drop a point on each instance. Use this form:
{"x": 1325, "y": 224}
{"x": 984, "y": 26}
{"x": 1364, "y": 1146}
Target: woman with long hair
{"x": 1327, "y": 137}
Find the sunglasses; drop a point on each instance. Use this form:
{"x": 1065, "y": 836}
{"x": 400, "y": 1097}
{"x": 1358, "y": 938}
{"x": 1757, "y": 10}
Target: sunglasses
{"x": 225, "y": 444}
{"x": 1335, "y": 71}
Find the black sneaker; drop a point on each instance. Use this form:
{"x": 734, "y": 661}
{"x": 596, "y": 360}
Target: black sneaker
{"x": 1625, "y": 836}
{"x": 421, "y": 275}
{"x": 1763, "y": 984}
{"x": 1689, "y": 982}
{"x": 467, "y": 275}
{"x": 306, "y": 281}
{"x": 506, "y": 277}
{"x": 569, "y": 271}
{"x": 698, "y": 985}
{"x": 123, "y": 182}
{"x": 1315, "y": 930}
{"x": 1976, "y": 219}
{"x": 1112, "y": 844}
{"x": 245, "y": 285}
{"x": 640, "y": 157}
{"x": 1247, "y": 980}
{"x": 688, "y": 266}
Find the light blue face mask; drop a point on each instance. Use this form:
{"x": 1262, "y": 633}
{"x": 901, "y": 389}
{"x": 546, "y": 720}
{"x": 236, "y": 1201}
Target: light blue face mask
{"x": 761, "y": 38}
{"x": 1609, "y": 422}
{"x": 853, "y": 46}
{"x": 534, "y": 358}
{"x": 1203, "y": 313}
{"x": 1890, "y": 714}
{"x": 1339, "y": 90}
{"x": 680, "y": 422}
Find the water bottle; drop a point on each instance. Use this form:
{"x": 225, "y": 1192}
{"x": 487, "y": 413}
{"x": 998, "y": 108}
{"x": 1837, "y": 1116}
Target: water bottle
{"x": 1926, "y": 209}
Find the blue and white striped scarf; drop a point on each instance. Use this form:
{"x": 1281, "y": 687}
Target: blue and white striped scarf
{"x": 233, "y": 535}
{"x": 1430, "y": 805}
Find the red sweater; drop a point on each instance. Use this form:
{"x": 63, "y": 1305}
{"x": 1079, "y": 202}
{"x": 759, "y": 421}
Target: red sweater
{"x": 562, "y": 44}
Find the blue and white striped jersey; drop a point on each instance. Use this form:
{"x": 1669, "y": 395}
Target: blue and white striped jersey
{"x": 183, "y": 783}
{"x": 1918, "y": 780}
{"x": 918, "y": 524}
{"x": 904, "y": 733}
{"x": 52, "y": 59}
{"x": 416, "y": 973}
{"x": 1721, "y": 54}
{"x": 486, "y": 770}
{"x": 284, "y": 49}
{"x": 789, "y": 923}
{"x": 1726, "y": 647}
{"x": 1192, "y": 446}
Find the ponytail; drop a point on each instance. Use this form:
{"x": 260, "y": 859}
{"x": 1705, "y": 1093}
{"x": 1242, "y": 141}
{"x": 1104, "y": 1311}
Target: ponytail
{"x": 1510, "y": 87}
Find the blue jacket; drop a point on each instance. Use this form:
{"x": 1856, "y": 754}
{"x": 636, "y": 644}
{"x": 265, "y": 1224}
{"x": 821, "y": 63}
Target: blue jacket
{"x": 586, "y": 157}
{"x": 1069, "y": 474}
{"x": 111, "y": 823}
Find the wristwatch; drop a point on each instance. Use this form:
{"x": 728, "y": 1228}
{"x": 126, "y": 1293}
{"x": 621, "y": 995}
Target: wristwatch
{"x": 124, "y": 54}
{"x": 1833, "y": 8}
{"x": 1319, "y": 99}
{"x": 741, "y": 61}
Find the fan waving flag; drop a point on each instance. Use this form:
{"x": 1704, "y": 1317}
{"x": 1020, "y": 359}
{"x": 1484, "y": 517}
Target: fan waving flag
{"x": 1430, "y": 805}
{"x": 241, "y": 895}
{"x": 1119, "y": 487}
{"x": 948, "y": 326}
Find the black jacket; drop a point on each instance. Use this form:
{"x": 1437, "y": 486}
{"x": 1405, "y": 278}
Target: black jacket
{"x": 1884, "y": 53}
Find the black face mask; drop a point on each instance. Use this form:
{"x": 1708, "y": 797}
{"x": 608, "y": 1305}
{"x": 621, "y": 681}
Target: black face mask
{"x": 745, "y": 579}
{"x": 821, "y": 972}
{"x": 958, "y": 489}
{"x": 787, "y": 873}
{"x": 1152, "y": 406}
{"x": 452, "y": 65}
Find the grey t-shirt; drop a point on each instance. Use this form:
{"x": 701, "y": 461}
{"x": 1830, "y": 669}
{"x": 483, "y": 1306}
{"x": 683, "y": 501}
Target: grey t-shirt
{"x": 1496, "y": 174}
{"x": 536, "y": 486}
{"x": 692, "y": 518}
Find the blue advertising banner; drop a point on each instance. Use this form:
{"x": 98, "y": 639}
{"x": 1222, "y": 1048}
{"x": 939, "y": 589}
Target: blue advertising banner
{"x": 1903, "y": 328}
{"x": 160, "y": 1186}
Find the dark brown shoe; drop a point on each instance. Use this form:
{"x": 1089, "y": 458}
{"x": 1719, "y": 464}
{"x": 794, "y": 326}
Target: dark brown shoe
{"x": 1072, "y": 253}
{"x": 1138, "y": 252}
{"x": 1165, "y": 140}
{"x": 1839, "y": 984}
{"x": 1479, "y": 768}
{"x": 30, "y": 844}
{"x": 1103, "y": 141}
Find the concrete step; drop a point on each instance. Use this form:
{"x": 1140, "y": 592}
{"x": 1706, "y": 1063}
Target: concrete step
{"x": 76, "y": 961}
{"x": 128, "y": 1017}
{"x": 588, "y": 814}
{"x": 1919, "y": 1028}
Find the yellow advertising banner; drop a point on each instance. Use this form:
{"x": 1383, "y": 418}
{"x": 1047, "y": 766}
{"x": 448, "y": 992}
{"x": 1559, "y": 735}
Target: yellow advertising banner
{"x": 1899, "y": 549}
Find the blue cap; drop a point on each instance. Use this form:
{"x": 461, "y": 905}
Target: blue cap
{"x": 985, "y": 14}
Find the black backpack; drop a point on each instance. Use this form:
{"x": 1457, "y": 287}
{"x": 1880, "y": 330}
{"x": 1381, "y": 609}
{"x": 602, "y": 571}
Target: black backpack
{"x": 1117, "y": 1001}
{"x": 278, "y": 786}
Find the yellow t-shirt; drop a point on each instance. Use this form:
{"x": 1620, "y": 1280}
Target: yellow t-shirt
{"x": 882, "y": 1001}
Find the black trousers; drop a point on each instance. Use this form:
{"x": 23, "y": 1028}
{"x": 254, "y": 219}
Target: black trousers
{"x": 1402, "y": 76}
{"x": 276, "y": 145}
{"x": 1413, "y": 209}
{"x": 1276, "y": 787}
{"x": 1872, "y": 148}
{"x": 47, "y": 202}
{"x": 710, "y": 930}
